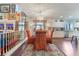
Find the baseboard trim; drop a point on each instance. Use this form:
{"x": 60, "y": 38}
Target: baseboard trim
{"x": 58, "y": 38}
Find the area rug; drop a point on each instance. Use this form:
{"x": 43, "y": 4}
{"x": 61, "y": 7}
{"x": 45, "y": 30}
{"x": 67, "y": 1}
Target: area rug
{"x": 28, "y": 51}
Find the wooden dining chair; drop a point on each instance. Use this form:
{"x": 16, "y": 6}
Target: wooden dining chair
{"x": 30, "y": 37}
{"x": 49, "y": 36}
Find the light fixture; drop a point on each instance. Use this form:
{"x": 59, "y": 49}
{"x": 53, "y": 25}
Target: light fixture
{"x": 40, "y": 16}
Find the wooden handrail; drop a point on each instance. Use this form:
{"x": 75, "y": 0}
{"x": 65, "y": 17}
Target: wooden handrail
{"x": 8, "y": 40}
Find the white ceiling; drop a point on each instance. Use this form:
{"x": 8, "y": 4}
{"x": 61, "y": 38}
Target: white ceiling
{"x": 53, "y": 10}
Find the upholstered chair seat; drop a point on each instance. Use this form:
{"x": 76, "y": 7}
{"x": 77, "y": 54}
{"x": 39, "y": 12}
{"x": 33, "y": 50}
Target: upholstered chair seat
{"x": 30, "y": 37}
{"x": 49, "y": 36}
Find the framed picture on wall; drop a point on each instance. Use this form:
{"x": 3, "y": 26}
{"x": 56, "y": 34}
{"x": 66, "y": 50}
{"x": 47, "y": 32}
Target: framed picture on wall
{"x": 1, "y": 26}
{"x": 4, "y": 8}
{"x": 9, "y": 26}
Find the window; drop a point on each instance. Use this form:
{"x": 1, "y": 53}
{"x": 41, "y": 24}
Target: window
{"x": 61, "y": 20}
{"x": 21, "y": 26}
{"x": 39, "y": 25}
{"x": 76, "y": 20}
{"x": 59, "y": 29}
{"x": 76, "y": 29}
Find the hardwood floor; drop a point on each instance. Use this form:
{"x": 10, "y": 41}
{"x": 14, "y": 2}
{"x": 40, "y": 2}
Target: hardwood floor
{"x": 65, "y": 46}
